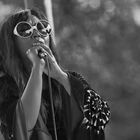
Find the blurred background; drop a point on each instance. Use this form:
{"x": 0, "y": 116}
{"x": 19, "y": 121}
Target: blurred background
{"x": 101, "y": 40}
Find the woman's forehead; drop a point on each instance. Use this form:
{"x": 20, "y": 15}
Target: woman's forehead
{"x": 32, "y": 19}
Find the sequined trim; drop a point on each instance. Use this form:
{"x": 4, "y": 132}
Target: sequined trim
{"x": 96, "y": 111}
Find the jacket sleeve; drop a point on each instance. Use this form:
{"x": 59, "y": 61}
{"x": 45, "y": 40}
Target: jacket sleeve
{"x": 11, "y": 111}
{"x": 96, "y": 111}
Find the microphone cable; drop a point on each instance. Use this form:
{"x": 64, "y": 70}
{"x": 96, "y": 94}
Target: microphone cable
{"x": 43, "y": 55}
{"x": 51, "y": 100}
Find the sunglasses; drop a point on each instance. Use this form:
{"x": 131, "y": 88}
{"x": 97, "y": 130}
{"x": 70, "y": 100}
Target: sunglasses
{"x": 24, "y": 29}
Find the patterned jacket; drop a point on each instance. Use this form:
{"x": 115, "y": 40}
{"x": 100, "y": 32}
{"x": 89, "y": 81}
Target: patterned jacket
{"x": 84, "y": 113}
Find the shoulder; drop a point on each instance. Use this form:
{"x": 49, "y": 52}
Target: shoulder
{"x": 80, "y": 78}
{"x": 7, "y": 85}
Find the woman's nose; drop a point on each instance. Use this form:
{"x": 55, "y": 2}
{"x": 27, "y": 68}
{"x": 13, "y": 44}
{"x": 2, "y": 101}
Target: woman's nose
{"x": 35, "y": 33}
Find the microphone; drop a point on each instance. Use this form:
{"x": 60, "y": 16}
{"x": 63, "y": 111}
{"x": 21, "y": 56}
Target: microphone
{"x": 42, "y": 54}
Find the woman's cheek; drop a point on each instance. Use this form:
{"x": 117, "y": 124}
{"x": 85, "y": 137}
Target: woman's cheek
{"x": 47, "y": 40}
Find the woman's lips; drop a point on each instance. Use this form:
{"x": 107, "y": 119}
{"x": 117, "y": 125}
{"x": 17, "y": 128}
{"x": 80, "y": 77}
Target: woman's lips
{"x": 37, "y": 43}
{"x": 39, "y": 39}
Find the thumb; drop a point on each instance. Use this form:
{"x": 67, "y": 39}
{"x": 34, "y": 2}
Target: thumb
{"x": 42, "y": 61}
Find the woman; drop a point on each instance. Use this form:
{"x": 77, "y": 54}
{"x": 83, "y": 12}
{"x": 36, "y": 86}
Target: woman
{"x": 27, "y": 57}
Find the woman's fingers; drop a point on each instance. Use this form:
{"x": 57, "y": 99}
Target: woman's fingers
{"x": 32, "y": 54}
{"x": 45, "y": 47}
{"x": 49, "y": 57}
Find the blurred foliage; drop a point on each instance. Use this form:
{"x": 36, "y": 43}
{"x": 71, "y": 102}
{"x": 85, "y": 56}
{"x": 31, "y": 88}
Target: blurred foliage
{"x": 100, "y": 40}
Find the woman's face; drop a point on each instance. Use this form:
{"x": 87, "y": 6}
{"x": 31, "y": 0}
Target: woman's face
{"x": 23, "y": 44}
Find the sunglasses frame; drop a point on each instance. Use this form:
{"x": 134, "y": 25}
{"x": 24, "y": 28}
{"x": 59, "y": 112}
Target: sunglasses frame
{"x": 31, "y": 30}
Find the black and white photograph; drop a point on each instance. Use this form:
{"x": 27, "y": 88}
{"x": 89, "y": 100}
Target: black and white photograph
{"x": 69, "y": 69}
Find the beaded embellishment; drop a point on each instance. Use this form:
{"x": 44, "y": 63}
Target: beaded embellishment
{"x": 96, "y": 111}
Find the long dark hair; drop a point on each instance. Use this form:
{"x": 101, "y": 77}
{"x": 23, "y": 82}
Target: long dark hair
{"x": 10, "y": 61}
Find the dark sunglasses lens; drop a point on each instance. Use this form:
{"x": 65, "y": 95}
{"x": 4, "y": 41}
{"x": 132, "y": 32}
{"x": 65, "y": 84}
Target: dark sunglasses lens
{"x": 44, "y": 27}
{"x": 23, "y": 29}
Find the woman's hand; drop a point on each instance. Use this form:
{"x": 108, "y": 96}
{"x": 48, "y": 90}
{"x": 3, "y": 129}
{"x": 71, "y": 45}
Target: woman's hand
{"x": 55, "y": 70}
{"x": 37, "y": 62}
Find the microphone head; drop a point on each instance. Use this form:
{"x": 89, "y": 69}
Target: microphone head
{"x": 41, "y": 53}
